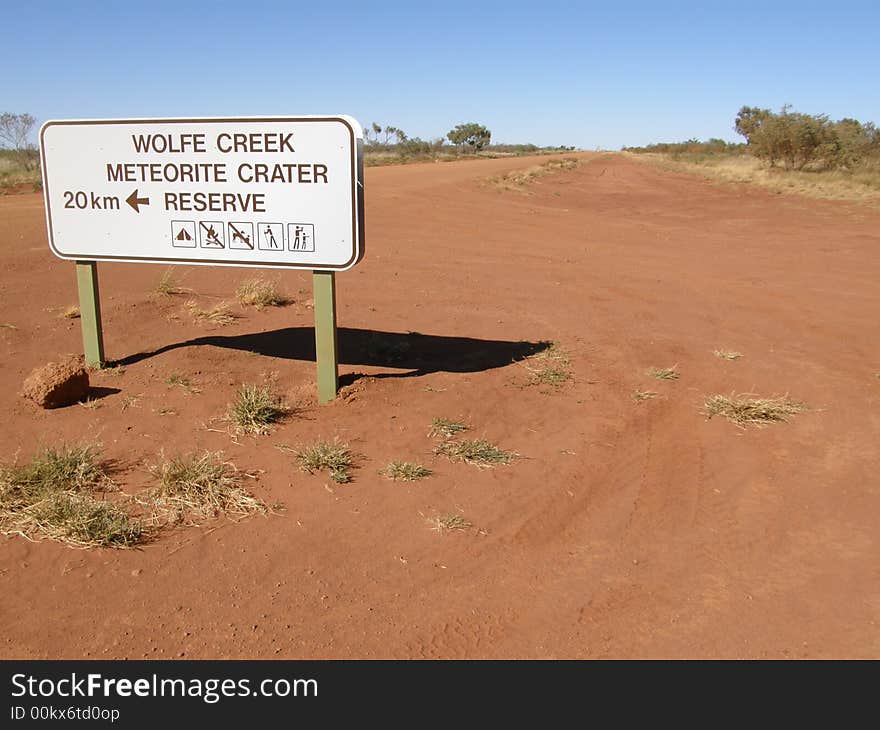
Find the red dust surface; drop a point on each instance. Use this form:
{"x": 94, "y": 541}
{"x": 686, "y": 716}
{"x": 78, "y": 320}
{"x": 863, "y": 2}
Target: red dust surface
{"x": 626, "y": 529}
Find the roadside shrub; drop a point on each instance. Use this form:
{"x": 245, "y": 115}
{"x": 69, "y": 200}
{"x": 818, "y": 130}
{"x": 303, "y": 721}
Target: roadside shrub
{"x": 800, "y": 141}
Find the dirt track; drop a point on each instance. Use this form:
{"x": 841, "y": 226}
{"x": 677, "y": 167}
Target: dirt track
{"x": 627, "y": 530}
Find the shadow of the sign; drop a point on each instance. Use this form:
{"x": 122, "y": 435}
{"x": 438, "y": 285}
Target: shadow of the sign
{"x": 413, "y": 352}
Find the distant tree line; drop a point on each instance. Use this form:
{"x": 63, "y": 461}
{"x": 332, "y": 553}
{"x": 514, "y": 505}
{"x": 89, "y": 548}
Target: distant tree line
{"x": 469, "y": 137}
{"x": 691, "y": 147}
{"x": 792, "y": 140}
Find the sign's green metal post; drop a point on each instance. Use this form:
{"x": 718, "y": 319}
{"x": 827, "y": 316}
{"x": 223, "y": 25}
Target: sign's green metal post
{"x": 90, "y": 312}
{"x": 325, "y": 335}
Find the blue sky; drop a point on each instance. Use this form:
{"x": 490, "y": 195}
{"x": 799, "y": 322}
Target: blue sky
{"x": 586, "y": 74}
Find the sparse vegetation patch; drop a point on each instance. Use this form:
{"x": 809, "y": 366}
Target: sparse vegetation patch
{"x": 167, "y": 285}
{"x": 183, "y": 382}
{"x": 727, "y": 354}
{"x": 334, "y": 458}
{"x": 260, "y": 293}
{"x": 663, "y": 373}
{"x": 200, "y": 486}
{"x": 448, "y": 523}
{"x": 788, "y": 152}
{"x": 446, "y": 427}
{"x": 550, "y": 366}
{"x": 404, "y": 471}
{"x": 744, "y": 410}
{"x": 643, "y": 395}
{"x": 519, "y": 179}
{"x": 219, "y": 314}
{"x": 477, "y": 452}
{"x": 53, "y": 497}
{"x": 256, "y": 408}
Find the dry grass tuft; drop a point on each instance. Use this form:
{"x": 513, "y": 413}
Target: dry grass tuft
{"x": 260, "y": 293}
{"x": 181, "y": 381}
{"x": 53, "y": 497}
{"x": 71, "y": 312}
{"x": 200, "y": 486}
{"x": 745, "y": 411}
{"x": 446, "y": 427}
{"x": 219, "y": 315}
{"x": 477, "y": 452}
{"x": 115, "y": 371}
{"x": 335, "y": 458}
{"x": 550, "y": 366}
{"x": 663, "y": 373}
{"x": 727, "y": 354}
{"x": 167, "y": 285}
{"x": 404, "y": 471}
{"x": 643, "y": 395}
{"x": 519, "y": 179}
{"x": 448, "y": 523}
{"x": 256, "y": 408}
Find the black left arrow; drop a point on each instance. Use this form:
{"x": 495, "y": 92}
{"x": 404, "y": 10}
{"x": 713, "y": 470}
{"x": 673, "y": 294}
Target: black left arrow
{"x": 134, "y": 201}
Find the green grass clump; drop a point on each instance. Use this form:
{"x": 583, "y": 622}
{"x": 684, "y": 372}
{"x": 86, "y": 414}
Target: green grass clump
{"x": 404, "y": 471}
{"x": 260, "y": 293}
{"x": 745, "y": 411}
{"x": 446, "y": 427}
{"x": 53, "y": 497}
{"x": 663, "y": 373}
{"x": 255, "y": 409}
{"x": 334, "y": 458}
{"x": 477, "y": 452}
{"x": 199, "y": 486}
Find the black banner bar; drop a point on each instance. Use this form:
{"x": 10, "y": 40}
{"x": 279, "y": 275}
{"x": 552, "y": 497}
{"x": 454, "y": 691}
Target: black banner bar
{"x": 455, "y": 693}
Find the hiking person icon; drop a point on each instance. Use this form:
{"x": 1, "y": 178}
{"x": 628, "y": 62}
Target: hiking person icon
{"x": 271, "y": 236}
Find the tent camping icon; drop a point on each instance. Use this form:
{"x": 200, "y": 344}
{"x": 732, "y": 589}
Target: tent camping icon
{"x": 183, "y": 234}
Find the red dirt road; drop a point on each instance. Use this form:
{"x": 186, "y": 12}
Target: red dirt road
{"x": 626, "y": 530}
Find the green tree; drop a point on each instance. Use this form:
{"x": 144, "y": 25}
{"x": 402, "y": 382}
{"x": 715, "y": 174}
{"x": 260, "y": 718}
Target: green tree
{"x": 388, "y": 133}
{"x": 794, "y": 139}
{"x": 749, "y": 120}
{"x": 15, "y": 132}
{"x": 470, "y": 134}
{"x": 857, "y": 141}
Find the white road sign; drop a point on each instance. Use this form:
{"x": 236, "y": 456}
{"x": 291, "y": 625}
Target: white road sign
{"x": 268, "y": 192}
